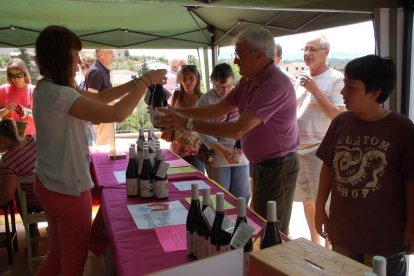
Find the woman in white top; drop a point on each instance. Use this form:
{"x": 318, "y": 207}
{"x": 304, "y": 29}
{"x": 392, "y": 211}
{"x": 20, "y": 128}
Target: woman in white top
{"x": 63, "y": 180}
{"x": 228, "y": 167}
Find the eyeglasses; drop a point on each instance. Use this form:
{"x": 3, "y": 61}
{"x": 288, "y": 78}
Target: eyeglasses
{"x": 16, "y": 76}
{"x": 239, "y": 55}
{"x": 224, "y": 87}
{"x": 311, "y": 49}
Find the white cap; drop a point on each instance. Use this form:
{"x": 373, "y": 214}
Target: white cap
{"x": 141, "y": 131}
{"x": 219, "y": 202}
{"x": 194, "y": 191}
{"x": 241, "y": 207}
{"x": 132, "y": 152}
{"x": 206, "y": 196}
{"x": 271, "y": 211}
{"x": 379, "y": 265}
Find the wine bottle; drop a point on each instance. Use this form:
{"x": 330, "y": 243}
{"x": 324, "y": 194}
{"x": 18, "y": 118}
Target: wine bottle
{"x": 151, "y": 144}
{"x": 203, "y": 230}
{"x": 160, "y": 176}
{"x": 146, "y": 184}
{"x": 140, "y": 143}
{"x": 241, "y": 217}
{"x": 131, "y": 176}
{"x": 271, "y": 235}
{"x": 237, "y": 152}
{"x": 379, "y": 265}
{"x": 219, "y": 239}
{"x": 159, "y": 100}
{"x": 193, "y": 219}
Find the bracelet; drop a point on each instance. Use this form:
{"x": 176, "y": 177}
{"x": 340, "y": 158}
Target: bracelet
{"x": 149, "y": 78}
{"x": 140, "y": 79}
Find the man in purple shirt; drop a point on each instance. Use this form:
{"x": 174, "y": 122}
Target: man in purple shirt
{"x": 267, "y": 125}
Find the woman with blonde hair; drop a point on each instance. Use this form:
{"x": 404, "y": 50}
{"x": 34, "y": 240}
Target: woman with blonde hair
{"x": 185, "y": 143}
{"x": 16, "y": 100}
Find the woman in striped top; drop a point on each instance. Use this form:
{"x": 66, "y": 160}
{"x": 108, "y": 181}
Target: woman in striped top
{"x": 19, "y": 156}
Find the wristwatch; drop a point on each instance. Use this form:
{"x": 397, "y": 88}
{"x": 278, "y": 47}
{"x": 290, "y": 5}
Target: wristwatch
{"x": 189, "y": 124}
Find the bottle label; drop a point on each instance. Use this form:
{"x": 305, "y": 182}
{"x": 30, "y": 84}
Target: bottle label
{"x": 161, "y": 189}
{"x": 211, "y": 249}
{"x": 215, "y": 250}
{"x": 246, "y": 263}
{"x": 228, "y": 225}
{"x": 162, "y": 169}
{"x": 208, "y": 214}
{"x": 202, "y": 247}
{"x": 242, "y": 235}
{"x": 191, "y": 243}
{"x": 188, "y": 238}
{"x": 146, "y": 188}
{"x": 132, "y": 187}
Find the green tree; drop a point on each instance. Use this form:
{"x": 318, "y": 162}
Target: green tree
{"x": 193, "y": 60}
{"x": 127, "y": 53}
{"x": 144, "y": 68}
{"x": 138, "y": 118}
{"x": 3, "y": 61}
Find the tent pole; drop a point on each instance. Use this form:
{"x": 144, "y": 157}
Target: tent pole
{"x": 407, "y": 99}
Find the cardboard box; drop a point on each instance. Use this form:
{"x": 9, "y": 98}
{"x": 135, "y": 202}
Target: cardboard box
{"x": 302, "y": 257}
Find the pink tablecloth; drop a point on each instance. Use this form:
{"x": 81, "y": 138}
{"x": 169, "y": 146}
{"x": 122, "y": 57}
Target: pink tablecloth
{"x": 135, "y": 251}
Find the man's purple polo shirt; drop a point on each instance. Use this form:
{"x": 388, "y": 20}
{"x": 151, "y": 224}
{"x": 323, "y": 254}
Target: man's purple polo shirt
{"x": 271, "y": 98}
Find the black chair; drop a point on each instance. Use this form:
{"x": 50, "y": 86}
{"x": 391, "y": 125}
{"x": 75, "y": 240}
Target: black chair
{"x": 8, "y": 238}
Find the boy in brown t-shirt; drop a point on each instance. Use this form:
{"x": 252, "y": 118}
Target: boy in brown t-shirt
{"x": 368, "y": 168}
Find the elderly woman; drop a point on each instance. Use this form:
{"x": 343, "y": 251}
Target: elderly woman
{"x": 16, "y": 101}
{"x": 227, "y": 169}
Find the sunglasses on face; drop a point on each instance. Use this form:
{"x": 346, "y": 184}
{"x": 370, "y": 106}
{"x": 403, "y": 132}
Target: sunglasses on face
{"x": 16, "y": 76}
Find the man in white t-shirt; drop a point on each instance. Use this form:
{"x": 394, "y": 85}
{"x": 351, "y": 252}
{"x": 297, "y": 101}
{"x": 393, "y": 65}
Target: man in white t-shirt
{"x": 319, "y": 101}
